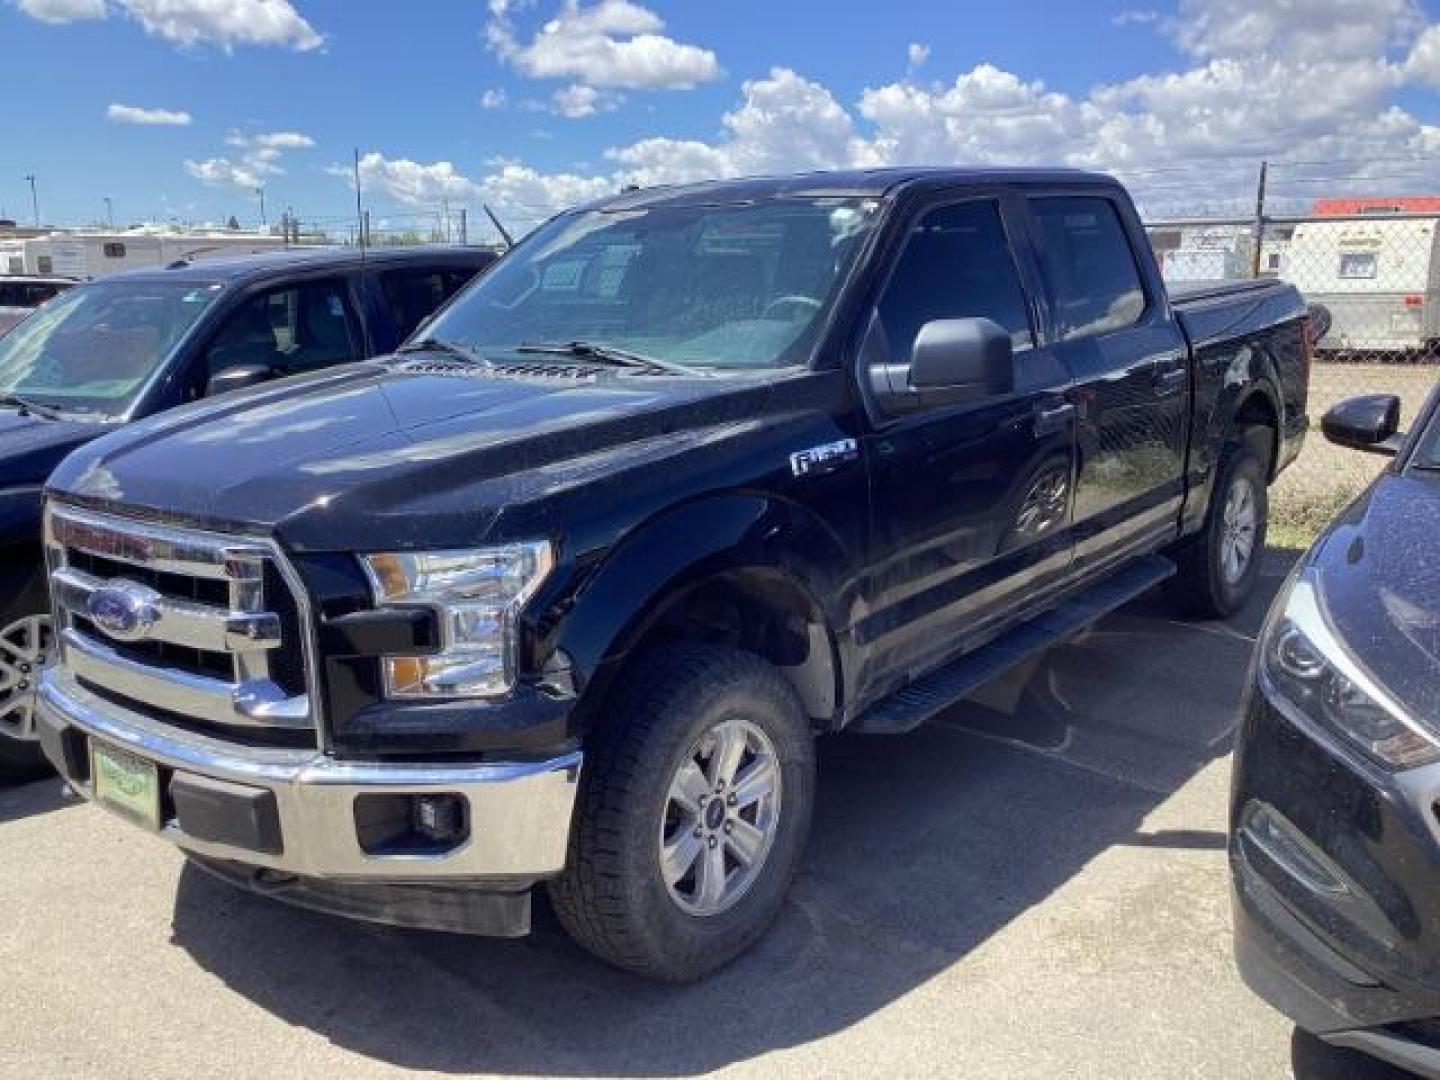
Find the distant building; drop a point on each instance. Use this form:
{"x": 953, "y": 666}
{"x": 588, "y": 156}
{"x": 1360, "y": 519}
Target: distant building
{"x": 1378, "y": 204}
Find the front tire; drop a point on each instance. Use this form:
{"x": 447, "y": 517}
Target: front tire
{"x": 693, "y": 813}
{"x": 26, "y": 646}
{"x": 1218, "y": 567}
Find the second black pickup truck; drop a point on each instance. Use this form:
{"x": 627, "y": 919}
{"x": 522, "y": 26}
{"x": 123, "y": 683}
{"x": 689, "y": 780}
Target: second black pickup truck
{"x": 565, "y": 591}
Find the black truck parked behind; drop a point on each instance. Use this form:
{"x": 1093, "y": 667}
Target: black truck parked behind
{"x": 564, "y": 592}
{"x": 133, "y": 344}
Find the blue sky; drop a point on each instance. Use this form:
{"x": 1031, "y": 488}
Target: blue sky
{"x": 467, "y": 101}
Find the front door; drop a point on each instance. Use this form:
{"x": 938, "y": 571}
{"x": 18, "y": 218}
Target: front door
{"x": 971, "y": 503}
{"x": 1110, "y": 325}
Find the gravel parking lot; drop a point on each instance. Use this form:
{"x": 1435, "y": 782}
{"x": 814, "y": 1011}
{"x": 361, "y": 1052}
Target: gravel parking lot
{"x": 1033, "y": 887}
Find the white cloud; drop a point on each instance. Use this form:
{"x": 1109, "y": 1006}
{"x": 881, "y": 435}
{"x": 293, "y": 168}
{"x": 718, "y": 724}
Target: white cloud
{"x": 130, "y": 114}
{"x": 918, "y": 54}
{"x": 62, "y": 11}
{"x": 257, "y": 159}
{"x": 577, "y": 101}
{"x": 1307, "y": 81}
{"x": 223, "y": 23}
{"x": 612, "y": 43}
{"x": 494, "y": 98}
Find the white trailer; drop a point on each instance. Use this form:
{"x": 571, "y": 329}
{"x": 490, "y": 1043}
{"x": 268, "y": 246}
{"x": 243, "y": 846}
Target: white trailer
{"x": 87, "y": 255}
{"x": 1379, "y": 278}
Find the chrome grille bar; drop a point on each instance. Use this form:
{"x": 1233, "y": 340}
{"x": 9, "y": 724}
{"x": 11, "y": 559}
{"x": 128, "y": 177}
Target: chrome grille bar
{"x": 190, "y": 695}
{"x": 180, "y": 622}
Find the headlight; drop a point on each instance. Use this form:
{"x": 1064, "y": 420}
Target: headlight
{"x": 477, "y": 594}
{"x": 1311, "y": 667}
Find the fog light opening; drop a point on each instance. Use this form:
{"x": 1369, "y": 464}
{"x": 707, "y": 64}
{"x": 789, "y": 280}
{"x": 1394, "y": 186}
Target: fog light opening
{"x": 439, "y": 818}
{"x": 398, "y": 825}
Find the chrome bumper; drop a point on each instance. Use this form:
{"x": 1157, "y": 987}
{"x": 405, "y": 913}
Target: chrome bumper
{"x": 519, "y": 812}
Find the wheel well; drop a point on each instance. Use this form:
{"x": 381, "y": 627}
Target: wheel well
{"x": 1258, "y": 425}
{"x": 762, "y": 612}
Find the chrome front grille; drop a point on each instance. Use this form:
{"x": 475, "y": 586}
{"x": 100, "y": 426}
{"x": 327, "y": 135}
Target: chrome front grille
{"x": 203, "y": 628}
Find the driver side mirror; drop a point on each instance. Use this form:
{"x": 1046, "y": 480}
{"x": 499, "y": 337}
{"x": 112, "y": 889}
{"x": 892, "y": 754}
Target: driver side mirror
{"x": 237, "y": 378}
{"x": 1370, "y": 423}
{"x": 953, "y": 361}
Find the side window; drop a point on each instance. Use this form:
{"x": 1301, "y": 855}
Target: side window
{"x": 411, "y": 295}
{"x": 956, "y": 265}
{"x": 1089, "y": 265}
{"x": 288, "y": 330}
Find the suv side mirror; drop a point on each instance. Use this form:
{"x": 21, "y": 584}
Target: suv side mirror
{"x": 237, "y": 378}
{"x": 1369, "y": 423}
{"x": 1320, "y": 321}
{"x": 953, "y": 361}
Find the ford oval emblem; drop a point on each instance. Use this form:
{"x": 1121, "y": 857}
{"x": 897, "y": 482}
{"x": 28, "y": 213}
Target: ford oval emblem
{"x": 124, "y": 610}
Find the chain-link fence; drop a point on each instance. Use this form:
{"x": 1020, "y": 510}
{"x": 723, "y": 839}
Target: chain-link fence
{"x": 1375, "y": 267}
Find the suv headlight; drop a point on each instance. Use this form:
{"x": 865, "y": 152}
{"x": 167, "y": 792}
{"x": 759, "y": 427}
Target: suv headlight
{"x": 1309, "y": 666}
{"x": 476, "y": 595}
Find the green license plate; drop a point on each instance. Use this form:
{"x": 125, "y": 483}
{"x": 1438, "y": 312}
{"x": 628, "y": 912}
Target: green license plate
{"x": 126, "y": 783}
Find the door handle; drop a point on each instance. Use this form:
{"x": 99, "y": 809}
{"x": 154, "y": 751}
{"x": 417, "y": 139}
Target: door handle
{"x": 1054, "y": 417}
{"x": 1171, "y": 381}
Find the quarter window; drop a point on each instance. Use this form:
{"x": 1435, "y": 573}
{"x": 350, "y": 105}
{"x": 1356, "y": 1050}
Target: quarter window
{"x": 1089, "y": 265}
{"x": 114, "y": 251}
{"x": 956, "y": 265}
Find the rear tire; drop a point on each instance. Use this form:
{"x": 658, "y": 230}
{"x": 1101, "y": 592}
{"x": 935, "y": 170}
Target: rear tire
{"x": 26, "y": 645}
{"x": 655, "y": 800}
{"x": 1218, "y": 566}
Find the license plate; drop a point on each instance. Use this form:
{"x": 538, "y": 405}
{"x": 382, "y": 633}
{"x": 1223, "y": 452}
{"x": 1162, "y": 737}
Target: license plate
{"x": 126, "y": 783}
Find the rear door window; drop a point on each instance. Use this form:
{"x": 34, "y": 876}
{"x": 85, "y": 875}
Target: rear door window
{"x": 413, "y": 294}
{"x": 1089, "y": 266}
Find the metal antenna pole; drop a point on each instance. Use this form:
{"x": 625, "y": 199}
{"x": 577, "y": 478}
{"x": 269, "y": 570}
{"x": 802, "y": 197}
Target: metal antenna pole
{"x": 34, "y": 199}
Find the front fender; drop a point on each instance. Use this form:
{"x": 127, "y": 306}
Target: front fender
{"x": 618, "y": 601}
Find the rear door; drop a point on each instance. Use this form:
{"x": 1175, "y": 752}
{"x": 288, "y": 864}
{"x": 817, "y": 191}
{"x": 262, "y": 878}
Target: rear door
{"x": 971, "y": 503}
{"x": 1110, "y": 324}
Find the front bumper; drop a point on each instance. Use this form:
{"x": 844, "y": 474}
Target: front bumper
{"x": 294, "y": 811}
{"x": 1335, "y": 866}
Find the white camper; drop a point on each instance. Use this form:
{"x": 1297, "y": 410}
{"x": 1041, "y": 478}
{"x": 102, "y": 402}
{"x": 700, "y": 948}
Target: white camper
{"x": 86, "y": 255}
{"x": 1379, "y": 277}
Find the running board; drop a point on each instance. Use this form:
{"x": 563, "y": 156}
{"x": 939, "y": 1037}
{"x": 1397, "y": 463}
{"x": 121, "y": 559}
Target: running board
{"x": 905, "y": 710}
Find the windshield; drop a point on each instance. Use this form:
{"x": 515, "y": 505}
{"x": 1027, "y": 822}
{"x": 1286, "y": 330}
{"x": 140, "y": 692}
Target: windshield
{"x": 92, "y": 349}
{"x": 743, "y": 286}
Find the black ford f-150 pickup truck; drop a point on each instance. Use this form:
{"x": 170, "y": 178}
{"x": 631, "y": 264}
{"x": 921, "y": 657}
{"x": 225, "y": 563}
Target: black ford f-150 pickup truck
{"x": 564, "y": 591}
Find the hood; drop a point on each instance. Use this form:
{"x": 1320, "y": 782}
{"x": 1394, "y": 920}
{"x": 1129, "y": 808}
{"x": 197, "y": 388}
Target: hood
{"x": 1378, "y": 570}
{"x": 421, "y": 454}
{"x": 31, "y": 446}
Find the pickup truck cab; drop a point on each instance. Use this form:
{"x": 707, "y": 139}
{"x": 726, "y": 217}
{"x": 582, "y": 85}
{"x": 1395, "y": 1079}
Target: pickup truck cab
{"x": 134, "y": 344}
{"x": 565, "y": 591}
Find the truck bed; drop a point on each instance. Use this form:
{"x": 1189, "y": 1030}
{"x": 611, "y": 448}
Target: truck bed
{"x": 1213, "y": 312}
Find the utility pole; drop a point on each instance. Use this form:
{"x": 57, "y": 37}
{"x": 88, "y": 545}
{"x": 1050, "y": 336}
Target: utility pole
{"x": 360, "y": 220}
{"x": 264, "y": 224}
{"x": 1259, "y": 237}
{"x": 110, "y": 212}
{"x": 464, "y": 227}
{"x": 34, "y": 199}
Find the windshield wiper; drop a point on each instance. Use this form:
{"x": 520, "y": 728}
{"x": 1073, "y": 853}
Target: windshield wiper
{"x": 450, "y": 348}
{"x": 608, "y": 354}
{"x": 24, "y": 405}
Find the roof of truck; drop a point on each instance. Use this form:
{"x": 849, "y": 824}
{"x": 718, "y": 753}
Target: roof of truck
{"x": 237, "y": 268}
{"x": 845, "y": 182}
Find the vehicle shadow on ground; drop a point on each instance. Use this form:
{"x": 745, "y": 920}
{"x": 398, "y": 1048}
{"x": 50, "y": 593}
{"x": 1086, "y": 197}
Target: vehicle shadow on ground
{"x": 25, "y": 800}
{"x": 923, "y": 847}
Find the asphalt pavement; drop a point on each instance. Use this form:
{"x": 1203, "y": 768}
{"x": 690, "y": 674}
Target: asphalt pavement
{"x": 1033, "y": 886}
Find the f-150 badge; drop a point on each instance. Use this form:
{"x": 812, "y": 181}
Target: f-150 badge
{"x": 819, "y": 460}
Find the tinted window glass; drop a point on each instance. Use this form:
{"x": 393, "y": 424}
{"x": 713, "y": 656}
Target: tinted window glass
{"x": 1089, "y": 266}
{"x": 956, "y": 265}
{"x": 413, "y": 294}
{"x": 290, "y": 330}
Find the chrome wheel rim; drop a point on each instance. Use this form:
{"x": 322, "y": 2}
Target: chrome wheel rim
{"x": 1239, "y": 525}
{"x": 25, "y": 648}
{"x": 721, "y": 813}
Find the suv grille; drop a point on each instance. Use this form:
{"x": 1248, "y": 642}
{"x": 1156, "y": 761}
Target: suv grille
{"x": 197, "y": 628}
